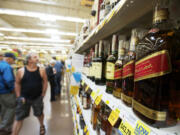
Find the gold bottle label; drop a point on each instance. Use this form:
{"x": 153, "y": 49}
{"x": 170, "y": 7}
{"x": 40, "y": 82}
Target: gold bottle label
{"x": 117, "y": 92}
{"x": 154, "y": 65}
{"x": 98, "y": 71}
{"x": 110, "y": 68}
{"x": 126, "y": 98}
{"x": 160, "y": 14}
{"x": 149, "y": 113}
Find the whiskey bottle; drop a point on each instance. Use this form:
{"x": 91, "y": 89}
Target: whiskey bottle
{"x": 94, "y": 63}
{"x": 157, "y": 88}
{"x": 100, "y": 64}
{"x": 95, "y": 114}
{"x": 86, "y": 100}
{"x": 118, "y": 70}
{"x": 90, "y": 64}
{"x": 128, "y": 70}
{"x": 110, "y": 66}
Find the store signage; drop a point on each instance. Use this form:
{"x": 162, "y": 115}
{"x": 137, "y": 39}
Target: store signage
{"x": 141, "y": 129}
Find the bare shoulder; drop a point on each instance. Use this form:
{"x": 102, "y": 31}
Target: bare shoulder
{"x": 42, "y": 71}
{"x": 20, "y": 72}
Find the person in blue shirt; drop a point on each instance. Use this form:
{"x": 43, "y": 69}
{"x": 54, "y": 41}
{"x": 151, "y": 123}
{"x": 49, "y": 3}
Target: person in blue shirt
{"x": 58, "y": 66}
{"x": 7, "y": 95}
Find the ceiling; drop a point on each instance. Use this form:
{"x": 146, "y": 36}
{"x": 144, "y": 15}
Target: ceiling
{"x": 41, "y": 22}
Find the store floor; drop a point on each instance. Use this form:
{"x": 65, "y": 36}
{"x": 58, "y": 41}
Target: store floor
{"x": 58, "y": 117}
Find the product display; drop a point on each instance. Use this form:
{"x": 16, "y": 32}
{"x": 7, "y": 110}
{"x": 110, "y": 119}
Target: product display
{"x": 157, "y": 72}
{"x": 110, "y": 66}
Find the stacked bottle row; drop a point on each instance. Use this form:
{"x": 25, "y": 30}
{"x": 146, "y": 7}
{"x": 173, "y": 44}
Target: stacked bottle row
{"x": 99, "y": 114}
{"x": 143, "y": 72}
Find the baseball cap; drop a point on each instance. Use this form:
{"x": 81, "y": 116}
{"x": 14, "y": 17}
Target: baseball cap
{"x": 11, "y": 55}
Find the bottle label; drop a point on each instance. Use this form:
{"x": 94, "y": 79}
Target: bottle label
{"x": 93, "y": 68}
{"x": 91, "y": 71}
{"x": 148, "y": 112}
{"x": 98, "y": 71}
{"x": 128, "y": 69}
{"x": 156, "y": 64}
{"x": 84, "y": 102}
{"x": 126, "y": 98}
{"x": 110, "y": 67}
{"x": 118, "y": 74}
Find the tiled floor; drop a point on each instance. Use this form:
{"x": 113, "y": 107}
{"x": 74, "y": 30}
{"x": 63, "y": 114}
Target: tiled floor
{"x": 58, "y": 117}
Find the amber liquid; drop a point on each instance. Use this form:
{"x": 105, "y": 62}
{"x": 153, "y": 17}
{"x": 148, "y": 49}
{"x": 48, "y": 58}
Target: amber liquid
{"x": 95, "y": 115}
{"x": 161, "y": 93}
{"x": 118, "y": 82}
{"x": 128, "y": 82}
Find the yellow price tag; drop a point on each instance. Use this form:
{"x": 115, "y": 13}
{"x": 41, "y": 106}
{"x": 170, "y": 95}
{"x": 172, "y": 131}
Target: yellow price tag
{"x": 141, "y": 129}
{"x": 74, "y": 90}
{"x": 126, "y": 128}
{"x": 67, "y": 70}
{"x": 85, "y": 129}
{"x": 82, "y": 82}
{"x": 98, "y": 99}
{"x": 107, "y": 102}
{"x": 73, "y": 69}
{"x": 93, "y": 95}
{"x": 87, "y": 88}
{"x": 113, "y": 117}
{"x": 87, "y": 133}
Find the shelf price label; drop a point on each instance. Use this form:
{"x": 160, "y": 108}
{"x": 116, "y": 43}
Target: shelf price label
{"x": 93, "y": 95}
{"x": 107, "y": 102}
{"x": 85, "y": 129}
{"x": 98, "y": 99}
{"x": 113, "y": 117}
{"x": 87, "y": 87}
{"x": 87, "y": 133}
{"x": 82, "y": 82}
{"x": 126, "y": 128}
{"x": 141, "y": 129}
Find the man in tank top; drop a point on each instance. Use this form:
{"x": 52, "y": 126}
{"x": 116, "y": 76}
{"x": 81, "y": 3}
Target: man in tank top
{"x": 30, "y": 88}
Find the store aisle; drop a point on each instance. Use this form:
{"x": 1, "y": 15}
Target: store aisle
{"x": 58, "y": 117}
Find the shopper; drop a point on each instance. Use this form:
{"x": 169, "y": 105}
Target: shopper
{"x": 58, "y": 66}
{"x": 50, "y": 70}
{"x": 7, "y": 95}
{"x": 1, "y": 55}
{"x": 30, "y": 88}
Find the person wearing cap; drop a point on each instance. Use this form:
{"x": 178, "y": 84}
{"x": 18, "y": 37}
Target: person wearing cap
{"x": 1, "y": 55}
{"x": 7, "y": 95}
{"x": 50, "y": 71}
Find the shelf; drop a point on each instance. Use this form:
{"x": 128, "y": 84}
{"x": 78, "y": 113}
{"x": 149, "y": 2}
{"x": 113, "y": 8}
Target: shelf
{"x": 87, "y": 118}
{"x": 126, "y": 14}
{"x": 126, "y": 113}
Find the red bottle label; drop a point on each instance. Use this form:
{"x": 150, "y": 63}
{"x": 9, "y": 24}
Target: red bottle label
{"x": 118, "y": 74}
{"x": 156, "y": 64}
{"x": 128, "y": 69}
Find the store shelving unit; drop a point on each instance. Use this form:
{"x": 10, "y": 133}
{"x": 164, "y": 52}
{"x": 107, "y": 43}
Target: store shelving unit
{"x": 126, "y": 113}
{"x": 125, "y": 15}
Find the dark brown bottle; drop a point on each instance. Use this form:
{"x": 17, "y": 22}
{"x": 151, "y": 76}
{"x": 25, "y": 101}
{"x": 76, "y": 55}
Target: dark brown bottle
{"x": 110, "y": 66}
{"x": 94, "y": 63}
{"x": 100, "y": 66}
{"x": 96, "y": 109}
{"x": 157, "y": 73}
{"x": 128, "y": 71}
{"x": 91, "y": 56}
{"x": 88, "y": 64}
{"x": 86, "y": 100}
{"x": 118, "y": 70}
{"x": 108, "y": 127}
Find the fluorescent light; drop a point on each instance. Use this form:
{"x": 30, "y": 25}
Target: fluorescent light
{"x": 48, "y": 31}
{"x": 37, "y": 39}
{"x": 1, "y": 34}
{"x": 35, "y": 44}
{"x": 39, "y": 15}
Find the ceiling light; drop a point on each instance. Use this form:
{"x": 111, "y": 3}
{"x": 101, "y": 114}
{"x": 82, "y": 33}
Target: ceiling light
{"x": 40, "y": 44}
{"x": 1, "y": 34}
{"x": 48, "y": 31}
{"x": 37, "y": 39}
{"x": 39, "y": 15}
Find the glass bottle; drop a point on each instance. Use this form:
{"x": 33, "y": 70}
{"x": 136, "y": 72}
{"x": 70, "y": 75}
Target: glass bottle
{"x": 118, "y": 70}
{"x": 108, "y": 127}
{"x": 96, "y": 110}
{"x": 94, "y": 62}
{"x": 157, "y": 70}
{"x": 128, "y": 70}
{"x": 110, "y": 66}
{"x": 86, "y": 100}
{"x": 100, "y": 66}
{"x": 88, "y": 64}
{"x": 91, "y": 56}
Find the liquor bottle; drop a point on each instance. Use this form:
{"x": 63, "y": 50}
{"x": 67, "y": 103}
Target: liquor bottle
{"x": 96, "y": 109}
{"x": 86, "y": 100}
{"x": 108, "y": 127}
{"x": 100, "y": 64}
{"x": 118, "y": 70}
{"x": 110, "y": 66}
{"x": 90, "y": 64}
{"x": 128, "y": 70}
{"x": 94, "y": 63}
{"x": 157, "y": 88}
